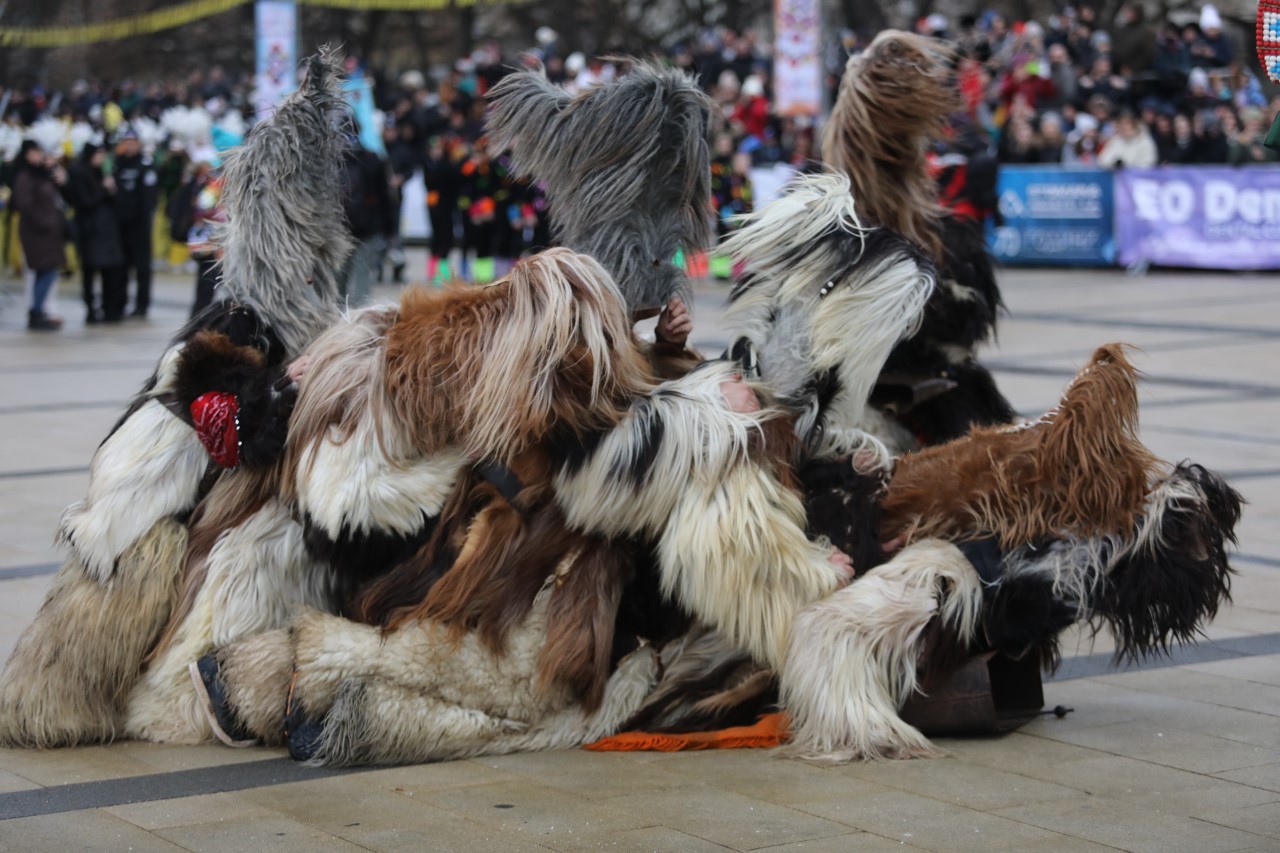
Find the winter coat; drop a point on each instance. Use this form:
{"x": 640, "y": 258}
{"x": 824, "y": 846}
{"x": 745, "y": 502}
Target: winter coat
{"x": 97, "y": 223}
{"x": 139, "y": 187}
{"x": 1136, "y": 153}
{"x": 42, "y": 228}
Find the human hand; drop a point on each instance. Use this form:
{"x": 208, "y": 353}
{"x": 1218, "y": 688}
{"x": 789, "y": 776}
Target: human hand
{"x": 740, "y": 396}
{"x": 674, "y": 323}
{"x": 298, "y": 367}
{"x": 109, "y": 184}
{"x": 840, "y": 561}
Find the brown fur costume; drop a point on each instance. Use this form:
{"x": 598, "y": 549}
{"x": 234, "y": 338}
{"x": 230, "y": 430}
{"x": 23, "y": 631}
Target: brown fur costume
{"x": 1080, "y": 469}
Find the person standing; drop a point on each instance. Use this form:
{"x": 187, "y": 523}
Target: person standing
{"x": 92, "y": 194}
{"x": 138, "y": 186}
{"x": 42, "y": 227}
{"x": 370, "y": 216}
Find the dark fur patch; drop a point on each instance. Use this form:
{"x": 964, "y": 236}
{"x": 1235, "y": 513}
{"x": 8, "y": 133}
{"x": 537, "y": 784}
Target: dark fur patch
{"x": 358, "y": 558}
{"x": 844, "y": 506}
{"x": 1155, "y": 597}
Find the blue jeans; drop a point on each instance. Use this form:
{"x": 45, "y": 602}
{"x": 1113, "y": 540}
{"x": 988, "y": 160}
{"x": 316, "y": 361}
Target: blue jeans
{"x": 45, "y": 279}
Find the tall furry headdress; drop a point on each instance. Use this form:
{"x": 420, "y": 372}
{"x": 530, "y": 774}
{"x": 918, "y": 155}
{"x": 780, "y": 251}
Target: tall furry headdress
{"x": 285, "y": 240}
{"x": 894, "y": 98}
{"x": 822, "y": 300}
{"x": 626, "y": 168}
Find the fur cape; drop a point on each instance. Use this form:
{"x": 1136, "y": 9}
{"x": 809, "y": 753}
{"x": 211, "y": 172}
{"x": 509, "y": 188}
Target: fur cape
{"x": 626, "y": 168}
{"x": 894, "y": 100}
{"x": 71, "y": 675}
{"x": 822, "y": 301}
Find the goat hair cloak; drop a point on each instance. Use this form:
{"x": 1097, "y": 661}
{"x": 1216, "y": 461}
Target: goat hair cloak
{"x": 1087, "y": 525}
{"x": 213, "y": 393}
{"x": 626, "y": 168}
{"x": 894, "y": 100}
{"x": 822, "y": 301}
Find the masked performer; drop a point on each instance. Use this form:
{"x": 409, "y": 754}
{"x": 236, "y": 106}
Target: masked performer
{"x": 213, "y": 403}
{"x": 894, "y": 100}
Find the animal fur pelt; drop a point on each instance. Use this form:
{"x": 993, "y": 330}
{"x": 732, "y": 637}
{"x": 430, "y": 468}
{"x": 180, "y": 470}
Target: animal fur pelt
{"x": 684, "y": 469}
{"x": 1154, "y": 586}
{"x": 47, "y": 700}
{"x": 282, "y": 248}
{"x": 417, "y": 693}
{"x": 894, "y": 98}
{"x": 626, "y": 168}
{"x": 1081, "y": 469}
{"x": 823, "y": 299}
{"x": 853, "y": 656}
{"x": 285, "y": 240}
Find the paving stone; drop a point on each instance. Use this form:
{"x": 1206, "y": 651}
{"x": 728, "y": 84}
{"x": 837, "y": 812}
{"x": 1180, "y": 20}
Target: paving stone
{"x": 726, "y": 818}
{"x": 857, "y": 842}
{"x": 1262, "y": 819}
{"x": 544, "y": 815}
{"x": 84, "y": 830}
{"x": 928, "y": 823}
{"x": 649, "y": 839}
{"x": 206, "y": 808}
{"x": 1264, "y": 669}
{"x": 1265, "y": 776}
{"x": 970, "y": 785}
{"x": 1136, "y": 830}
{"x": 419, "y": 779}
{"x": 68, "y": 766}
{"x": 255, "y": 834}
{"x": 765, "y": 775}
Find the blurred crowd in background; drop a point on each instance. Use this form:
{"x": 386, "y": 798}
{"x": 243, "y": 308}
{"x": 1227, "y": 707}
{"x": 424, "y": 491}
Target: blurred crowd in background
{"x": 1071, "y": 89}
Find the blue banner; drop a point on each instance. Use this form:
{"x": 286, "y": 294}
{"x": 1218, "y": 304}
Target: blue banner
{"x": 1054, "y": 215}
{"x": 1204, "y": 217}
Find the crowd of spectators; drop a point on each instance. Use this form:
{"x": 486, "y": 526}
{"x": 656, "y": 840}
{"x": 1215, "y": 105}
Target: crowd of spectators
{"x": 1072, "y": 89}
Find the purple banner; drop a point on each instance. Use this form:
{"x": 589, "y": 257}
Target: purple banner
{"x": 1204, "y": 217}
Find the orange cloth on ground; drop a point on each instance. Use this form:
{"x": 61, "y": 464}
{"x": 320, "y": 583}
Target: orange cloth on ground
{"x": 769, "y": 731}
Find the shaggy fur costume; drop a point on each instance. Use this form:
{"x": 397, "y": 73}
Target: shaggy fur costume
{"x": 822, "y": 301}
{"x": 1080, "y": 469}
{"x": 626, "y": 168}
{"x": 73, "y": 670}
{"x": 894, "y": 100}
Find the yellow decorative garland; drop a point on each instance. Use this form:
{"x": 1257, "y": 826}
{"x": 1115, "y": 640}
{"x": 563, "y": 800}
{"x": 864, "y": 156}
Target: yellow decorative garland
{"x": 185, "y": 13}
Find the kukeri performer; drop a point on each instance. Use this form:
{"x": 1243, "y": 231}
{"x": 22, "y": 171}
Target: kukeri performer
{"x": 219, "y": 398}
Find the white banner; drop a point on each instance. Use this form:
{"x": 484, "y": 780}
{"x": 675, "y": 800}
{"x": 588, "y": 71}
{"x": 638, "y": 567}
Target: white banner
{"x": 277, "y": 45}
{"x": 797, "y": 57}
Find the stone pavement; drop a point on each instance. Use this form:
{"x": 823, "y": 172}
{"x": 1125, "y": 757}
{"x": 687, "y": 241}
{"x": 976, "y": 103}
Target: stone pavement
{"x": 1182, "y": 755}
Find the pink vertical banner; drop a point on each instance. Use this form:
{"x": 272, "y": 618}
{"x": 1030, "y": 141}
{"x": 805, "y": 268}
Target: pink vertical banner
{"x": 797, "y": 57}
{"x": 276, "y": 25}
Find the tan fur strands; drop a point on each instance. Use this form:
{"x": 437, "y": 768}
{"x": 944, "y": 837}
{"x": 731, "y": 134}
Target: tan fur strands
{"x": 893, "y": 100}
{"x": 492, "y": 369}
{"x": 73, "y": 668}
{"x": 1081, "y": 469}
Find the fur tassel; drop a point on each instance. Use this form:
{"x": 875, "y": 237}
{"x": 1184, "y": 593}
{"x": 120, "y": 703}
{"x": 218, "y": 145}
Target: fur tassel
{"x": 894, "y": 98}
{"x": 1080, "y": 469}
{"x": 823, "y": 300}
{"x": 71, "y": 672}
{"x": 284, "y": 241}
{"x": 626, "y": 168}
{"x": 257, "y": 574}
{"x": 853, "y": 656}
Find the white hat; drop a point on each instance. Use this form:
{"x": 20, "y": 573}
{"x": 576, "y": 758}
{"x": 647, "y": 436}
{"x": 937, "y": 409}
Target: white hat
{"x": 545, "y": 36}
{"x": 936, "y": 23}
{"x": 1209, "y": 18}
{"x": 753, "y": 86}
{"x": 575, "y": 62}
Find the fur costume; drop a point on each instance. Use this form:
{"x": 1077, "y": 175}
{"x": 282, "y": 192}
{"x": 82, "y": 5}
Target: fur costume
{"x": 894, "y": 99}
{"x": 822, "y": 301}
{"x": 73, "y": 669}
{"x": 626, "y": 168}
{"x": 1092, "y": 526}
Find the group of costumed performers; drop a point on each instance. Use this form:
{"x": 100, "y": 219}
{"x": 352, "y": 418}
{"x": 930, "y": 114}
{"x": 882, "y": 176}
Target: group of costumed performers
{"x": 491, "y": 519}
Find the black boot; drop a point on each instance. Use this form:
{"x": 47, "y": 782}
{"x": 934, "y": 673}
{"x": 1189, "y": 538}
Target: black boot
{"x": 38, "y": 321}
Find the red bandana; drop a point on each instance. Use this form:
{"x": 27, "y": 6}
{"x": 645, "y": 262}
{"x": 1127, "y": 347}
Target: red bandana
{"x": 217, "y": 422}
{"x": 1268, "y": 37}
